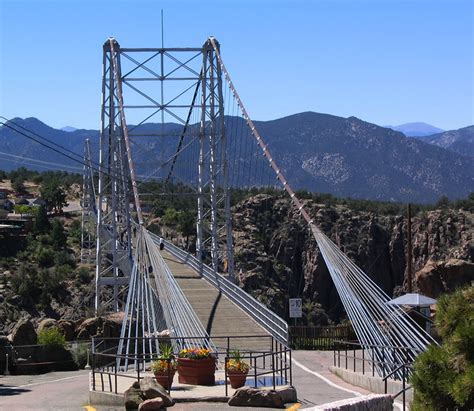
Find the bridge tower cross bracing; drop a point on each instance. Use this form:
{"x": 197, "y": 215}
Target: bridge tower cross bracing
{"x": 214, "y": 222}
{"x": 88, "y": 221}
{"x": 113, "y": 253}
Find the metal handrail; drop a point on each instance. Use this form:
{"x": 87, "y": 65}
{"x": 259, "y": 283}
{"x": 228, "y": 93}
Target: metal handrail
{"x": 278, "y": 359}
{"x": 404, "y": 389}
{"x": 266, "y": 318}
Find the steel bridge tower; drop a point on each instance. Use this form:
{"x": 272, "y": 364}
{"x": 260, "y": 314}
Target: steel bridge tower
{"x": 214, "y": 222}
{"x": 117, "y": 180}
{"x": 114, "y": 231}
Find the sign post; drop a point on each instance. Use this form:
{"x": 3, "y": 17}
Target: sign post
{"x": 295, "y": 308}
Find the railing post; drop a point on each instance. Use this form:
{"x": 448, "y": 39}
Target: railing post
{"x": 93, "y": 364}
{"x": 273, "y": 373}
{"x": 363, "y": 360}
{"x": 225, "y": 371}
{"x": 7, "y": 370}
{"x": 383, "y": 361}
{"x": 373, "y": 362}
{"x": 346, "y": 355}
{"x": 291, "y": 370}
{"x": 354, "y": 359}
{"x": 255, "y": 369}
{"x": 403, "y": 386}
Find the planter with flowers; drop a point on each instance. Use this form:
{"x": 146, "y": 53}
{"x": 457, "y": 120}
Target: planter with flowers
{"x": 237, "y": 369}
{"x": 196, "y": 366}
{"x": 164, "y": 367}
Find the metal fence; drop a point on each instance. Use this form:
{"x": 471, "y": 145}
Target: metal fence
{"x": 319, "y": 338}
{"x": 271, "y": 322}
{"x": 268, "y": 367}
{"x": 37, "y": 358}
{"x": 382, "y": 361}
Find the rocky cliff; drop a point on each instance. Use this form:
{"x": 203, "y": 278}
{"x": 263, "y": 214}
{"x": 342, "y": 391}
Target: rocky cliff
{"x": 277, "y": 258}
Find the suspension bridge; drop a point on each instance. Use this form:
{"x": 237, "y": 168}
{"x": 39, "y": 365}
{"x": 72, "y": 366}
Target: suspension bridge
{"x": 191, "y": 128}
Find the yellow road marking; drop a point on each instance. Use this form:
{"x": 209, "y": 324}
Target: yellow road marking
{"x": 89, "y": 408}
{"x": 294, "y": 407}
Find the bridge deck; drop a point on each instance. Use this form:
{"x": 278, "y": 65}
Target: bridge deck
{"x": 218, "y": 315}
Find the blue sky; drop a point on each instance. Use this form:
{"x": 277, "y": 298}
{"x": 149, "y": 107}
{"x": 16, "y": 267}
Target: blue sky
{"x": 387, "y": 62}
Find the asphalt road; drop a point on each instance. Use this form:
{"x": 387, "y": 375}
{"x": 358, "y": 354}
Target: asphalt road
{"x": 64, "y": 391}
{"x": 61, "y": 391}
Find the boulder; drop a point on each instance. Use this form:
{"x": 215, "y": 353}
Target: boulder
{"x": 89, "y": 328}
{"x": 151, "y": 389}
{"x": 47, "y": 323}
{"x": 67, "y": 328}
{"x": 133, "y": 398}
{"x": 60, "y": 357}
{"x": 107, "y": 327}
{"x": 287, "y": 394}
{"x": 151, "y": 405}
{"x": 253, "y": 397}
{"x": 23, "y": 333}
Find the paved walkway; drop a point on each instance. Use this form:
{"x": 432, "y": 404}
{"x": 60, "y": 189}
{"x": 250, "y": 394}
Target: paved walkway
{"x": 69, "y": 390}
{"x": 218, "y": 314}
{"x": 315, "y": 383}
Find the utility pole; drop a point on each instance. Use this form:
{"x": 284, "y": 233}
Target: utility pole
{"x": 409, "y": 251}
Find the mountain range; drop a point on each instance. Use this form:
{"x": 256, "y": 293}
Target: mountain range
{"x": 317, "y": 152}
{"x": 416, "y": 129}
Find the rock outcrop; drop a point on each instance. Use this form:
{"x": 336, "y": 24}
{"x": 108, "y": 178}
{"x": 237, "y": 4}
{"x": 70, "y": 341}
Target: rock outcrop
{"x": 277, "y": 258}
{"x": 23, "y": 333}
{"x": 445, "y": 276}
{"x": 107, "y": 327}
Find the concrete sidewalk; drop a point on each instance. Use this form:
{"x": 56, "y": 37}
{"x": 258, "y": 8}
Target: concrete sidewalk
{"x": 314, "y": 381}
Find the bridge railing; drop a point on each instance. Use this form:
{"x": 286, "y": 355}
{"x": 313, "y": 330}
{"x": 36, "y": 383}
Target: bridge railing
{"x": 266, "y": 318}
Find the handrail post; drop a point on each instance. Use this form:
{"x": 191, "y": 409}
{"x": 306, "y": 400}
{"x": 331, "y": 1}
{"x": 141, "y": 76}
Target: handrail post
{"x": 291, "y": 370}
{"x": 273, "y": 373}
{"x": 225, "y": 371}
{"x": 373, "y": 362}
{"x": 346, "y": 355}
{"x": 383, "y": 361}
{"x": 93, "y": 365}
{"x": 403, "y": 386}
{"x": 354, "y": 359}
{"x": 363, "y": 360}
{"x": 254, "y": 369}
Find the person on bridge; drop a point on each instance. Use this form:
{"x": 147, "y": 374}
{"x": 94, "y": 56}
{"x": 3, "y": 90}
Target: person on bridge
{"x": 162, "y": 244}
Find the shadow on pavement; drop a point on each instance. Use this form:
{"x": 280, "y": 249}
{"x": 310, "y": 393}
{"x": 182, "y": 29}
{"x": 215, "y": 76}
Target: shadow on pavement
{"x": 9, "y": 390}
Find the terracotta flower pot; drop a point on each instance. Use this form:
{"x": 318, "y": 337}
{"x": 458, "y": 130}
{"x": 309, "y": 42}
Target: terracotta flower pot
{"x": 197, "y": 372}
{"x": 165, "y": 379}
{"x": 237, "y": 378}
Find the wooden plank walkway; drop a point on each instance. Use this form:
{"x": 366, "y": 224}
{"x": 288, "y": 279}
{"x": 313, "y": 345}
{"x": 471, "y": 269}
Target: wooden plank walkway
{"x": 218, "y": 315}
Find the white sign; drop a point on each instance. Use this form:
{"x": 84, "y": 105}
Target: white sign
{"x": 295, "y": 308}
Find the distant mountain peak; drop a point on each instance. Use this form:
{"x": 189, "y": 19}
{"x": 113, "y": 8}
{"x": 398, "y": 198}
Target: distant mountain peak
{"x": 417, "y": 129}
{"x": 68, "y": 129}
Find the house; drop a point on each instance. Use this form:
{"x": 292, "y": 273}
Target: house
{"x": 6, "y": 204}
{"x": 37, "y": 202}
{"x": 21, "y": 201}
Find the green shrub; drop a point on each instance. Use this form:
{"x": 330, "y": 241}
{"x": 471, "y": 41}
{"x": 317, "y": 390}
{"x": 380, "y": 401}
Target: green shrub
{"x": 79, "y": 353}
{"x": 443, "y": 376}
{"x": 45, "y": 257}
{"x": 83, "y": 276}
{"x": 51, "y": 337}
